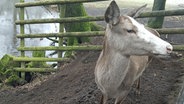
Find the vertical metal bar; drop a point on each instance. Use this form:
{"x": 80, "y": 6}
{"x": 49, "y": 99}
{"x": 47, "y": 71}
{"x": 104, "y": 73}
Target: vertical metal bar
{"x": 61, "y": 27}
{"x": 22, "y": 42}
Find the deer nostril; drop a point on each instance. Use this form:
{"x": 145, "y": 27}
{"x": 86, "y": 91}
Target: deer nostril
{"x": 169, "y": 48}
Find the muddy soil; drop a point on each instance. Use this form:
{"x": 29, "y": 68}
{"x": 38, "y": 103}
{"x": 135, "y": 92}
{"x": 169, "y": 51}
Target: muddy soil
{"x": 74, "y": 84}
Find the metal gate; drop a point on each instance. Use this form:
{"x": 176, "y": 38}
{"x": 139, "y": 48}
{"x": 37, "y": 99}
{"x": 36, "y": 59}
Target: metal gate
{"x": 22, "y": 48}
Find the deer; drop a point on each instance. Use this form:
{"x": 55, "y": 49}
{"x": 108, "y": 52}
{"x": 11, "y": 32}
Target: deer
{"x": 125, "y": 54}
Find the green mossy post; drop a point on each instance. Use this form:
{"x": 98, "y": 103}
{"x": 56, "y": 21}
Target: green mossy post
{"x": 76, "y": 10}
{"x": 157, "y": 22}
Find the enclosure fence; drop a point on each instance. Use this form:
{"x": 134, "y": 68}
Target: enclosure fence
{"x": 22, "y": 36}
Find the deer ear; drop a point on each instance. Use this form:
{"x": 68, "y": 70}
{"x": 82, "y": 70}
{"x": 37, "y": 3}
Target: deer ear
{"x": 153, "y": 31}
{"x": 136, "y": 12}
{"x": 112, "y": 13}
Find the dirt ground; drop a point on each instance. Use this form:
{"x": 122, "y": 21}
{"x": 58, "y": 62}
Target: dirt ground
{"x": 74, "y": 83}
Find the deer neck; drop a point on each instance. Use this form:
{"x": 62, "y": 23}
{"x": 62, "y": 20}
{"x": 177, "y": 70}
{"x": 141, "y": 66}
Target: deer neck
{"x": 115, "y": 60}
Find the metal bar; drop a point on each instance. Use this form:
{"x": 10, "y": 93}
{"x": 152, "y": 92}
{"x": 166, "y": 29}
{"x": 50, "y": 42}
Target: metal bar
{"x": 42, "y": 59}
{"x": 171, "y": 31}
{"x": 61, "y": 28}
{"x": 60, "y": 20}
{"x": 52, "y": 2}
{"x": 67, "y": 34}
{"x": 162, "y": 13}
{"x": 35, "y": 69}
{"x": 79, "y": 48}
{"x": 68, "y": 48}
{"x": 178, "y": 47}
{"x": 99, "y": 18}
{"x": 22, "y": 41}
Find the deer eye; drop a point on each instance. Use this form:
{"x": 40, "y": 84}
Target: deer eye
{"x": 130, "y": 31}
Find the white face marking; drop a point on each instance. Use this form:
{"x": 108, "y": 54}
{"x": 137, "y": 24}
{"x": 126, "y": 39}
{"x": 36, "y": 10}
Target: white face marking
{"x": 159, "y": 46}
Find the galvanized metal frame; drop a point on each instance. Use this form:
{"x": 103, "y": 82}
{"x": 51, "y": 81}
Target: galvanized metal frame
{"x": 60, "y": 35}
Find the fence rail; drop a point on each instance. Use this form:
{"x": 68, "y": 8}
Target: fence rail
{"x": 25, "y": 59}
{"x": 98, "y": 18}
{"x": 162, "y": 13}
{"x": 93, "y": 33}
{"x": 178, "y": 47}
{"x": 173, "y": 31}
{"x": 63, "y": 48}
{"x": 53, "y": 2}
{"x": 35, "y": 69}
{"x": 79, "y": 48}
{"x": 60, "y": 20}
{"x": 67, "y": 34}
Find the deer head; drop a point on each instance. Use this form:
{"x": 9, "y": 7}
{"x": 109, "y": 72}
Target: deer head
{"x": 125, "y": 35}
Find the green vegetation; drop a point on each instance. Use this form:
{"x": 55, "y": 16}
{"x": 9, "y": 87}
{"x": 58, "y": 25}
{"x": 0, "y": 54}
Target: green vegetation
{"x": 7, "y": 75}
